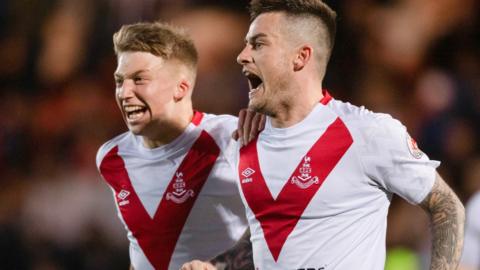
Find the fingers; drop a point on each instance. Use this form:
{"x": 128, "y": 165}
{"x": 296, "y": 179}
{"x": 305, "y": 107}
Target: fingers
{"x": 263, "y": 120}
{"x": 238, "y": 134}
{"x": 247, "y": 126}
{"x": 198, "y": 265}
{"x": 255, "y": 126}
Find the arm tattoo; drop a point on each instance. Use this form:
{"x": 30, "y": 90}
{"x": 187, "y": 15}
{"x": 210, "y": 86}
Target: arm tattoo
{"x": 239, "y": 257}
{"x": 447, "y": 217}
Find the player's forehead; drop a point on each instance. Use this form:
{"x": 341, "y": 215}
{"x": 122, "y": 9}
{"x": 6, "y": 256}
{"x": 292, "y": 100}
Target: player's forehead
{"x": 135, "y": 62}
{"x": 267, "y": 25}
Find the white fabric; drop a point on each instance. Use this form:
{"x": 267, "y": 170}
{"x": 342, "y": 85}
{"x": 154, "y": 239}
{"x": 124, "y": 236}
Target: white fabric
{"x": 471, "y": 249}
{"x": 344, "y": 225}
{"x": 217, "y": 219}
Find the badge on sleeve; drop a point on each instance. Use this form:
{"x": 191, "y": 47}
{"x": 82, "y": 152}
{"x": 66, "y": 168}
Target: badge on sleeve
{"x": 413, "y": 148}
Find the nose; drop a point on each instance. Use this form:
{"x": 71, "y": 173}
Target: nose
{"x": 126, "y": 90}
{"x": 244, "y": 57}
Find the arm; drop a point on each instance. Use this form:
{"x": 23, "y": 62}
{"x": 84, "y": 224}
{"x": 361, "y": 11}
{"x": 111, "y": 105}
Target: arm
{"x": 447, "y": 216}
{"x": 239, "y": 257}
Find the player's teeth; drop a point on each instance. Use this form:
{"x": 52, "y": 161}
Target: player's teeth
{"x": 134, "y": 115}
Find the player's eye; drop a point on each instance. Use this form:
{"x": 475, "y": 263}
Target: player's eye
{"x": 118, "y": 82}
{"x": 257, "y": 45}
{"x": 138, "y": 80}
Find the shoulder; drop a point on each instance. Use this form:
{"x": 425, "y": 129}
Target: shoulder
{"x": 110, "y": 145}
{"x": 223, "y": 121}
{"x": 366, "y": 123}
{"x": 219, "y": 126}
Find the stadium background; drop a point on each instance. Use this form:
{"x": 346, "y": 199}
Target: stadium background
{"x": 417, "y": 60}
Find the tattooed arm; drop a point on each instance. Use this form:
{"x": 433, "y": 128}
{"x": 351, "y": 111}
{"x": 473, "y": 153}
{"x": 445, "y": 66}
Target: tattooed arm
{"x": 447, "y": 217}
{"x": 239, "y": 257}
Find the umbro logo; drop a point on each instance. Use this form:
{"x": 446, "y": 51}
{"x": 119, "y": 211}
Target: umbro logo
{"x": 122, "y": 195}
{"x": 248, "y": 171}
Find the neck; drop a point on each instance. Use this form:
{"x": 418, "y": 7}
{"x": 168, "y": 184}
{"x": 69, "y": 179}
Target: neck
{"x": 297, "y": 107}
{"x": 170, "y": 129}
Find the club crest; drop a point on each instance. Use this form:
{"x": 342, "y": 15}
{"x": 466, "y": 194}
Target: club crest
{"x": 413, "y": 148}
{"x": 304, "y": 180}
{"x": 180, "y": 193}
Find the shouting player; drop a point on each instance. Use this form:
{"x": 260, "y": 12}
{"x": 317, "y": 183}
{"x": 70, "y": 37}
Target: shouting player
{"x": 174, "y": 189}
{"x": 318, "y": 181}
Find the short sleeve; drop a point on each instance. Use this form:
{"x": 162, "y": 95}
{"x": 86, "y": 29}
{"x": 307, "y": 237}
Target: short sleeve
{"x": 392, "y": 159}
{"x": 471, "y": 249}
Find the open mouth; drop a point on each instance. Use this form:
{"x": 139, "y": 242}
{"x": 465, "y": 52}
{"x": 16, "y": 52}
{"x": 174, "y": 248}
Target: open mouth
{"x": 134, "y": 112}
{"x": 254, "y": 81}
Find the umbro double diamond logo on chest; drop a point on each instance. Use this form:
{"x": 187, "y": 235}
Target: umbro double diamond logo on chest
{"x": 122, "y": 197}
{"x": 247, "y": 173}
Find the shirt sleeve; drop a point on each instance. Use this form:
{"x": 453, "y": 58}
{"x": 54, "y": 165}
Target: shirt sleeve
{"x": 471, "y": 249}
{"x": 392, "y": 159}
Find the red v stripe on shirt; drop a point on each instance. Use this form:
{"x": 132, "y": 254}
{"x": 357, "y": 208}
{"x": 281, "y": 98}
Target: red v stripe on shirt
{"x": 158, "y": 236}
{"x": 279, "y": 217}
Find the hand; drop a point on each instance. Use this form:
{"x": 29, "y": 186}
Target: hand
{"x": 198, "y": 265}
{"x": 250, "y": 124}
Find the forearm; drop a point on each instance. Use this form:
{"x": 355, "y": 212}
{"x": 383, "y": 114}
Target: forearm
{"x": 239, "y": 257}
{"x": 447, "y": 216}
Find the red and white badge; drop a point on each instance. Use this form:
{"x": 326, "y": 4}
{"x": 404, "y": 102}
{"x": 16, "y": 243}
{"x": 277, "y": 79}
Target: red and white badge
{"x": 413, "y": 147}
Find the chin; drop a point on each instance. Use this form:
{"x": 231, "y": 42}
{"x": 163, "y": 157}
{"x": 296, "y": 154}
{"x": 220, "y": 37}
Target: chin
{"x": 259, "y": 108}
{"x": 254, "y": 107}
{"x": 135, "y": 130}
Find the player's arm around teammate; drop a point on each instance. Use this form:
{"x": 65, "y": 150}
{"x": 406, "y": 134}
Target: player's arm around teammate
{"x": 239, "y": 257}
{"x": 447, "y": 217}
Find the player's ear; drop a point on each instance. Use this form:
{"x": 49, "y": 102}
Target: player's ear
{"x": 302, "y": 57}
{"x": 182, "y": 90}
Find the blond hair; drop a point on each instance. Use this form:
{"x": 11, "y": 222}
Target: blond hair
{"x": 157, "y": 38}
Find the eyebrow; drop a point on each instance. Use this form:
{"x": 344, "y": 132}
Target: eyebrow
{"x": 255, "y": 37}
{"x": 119, "y": 75}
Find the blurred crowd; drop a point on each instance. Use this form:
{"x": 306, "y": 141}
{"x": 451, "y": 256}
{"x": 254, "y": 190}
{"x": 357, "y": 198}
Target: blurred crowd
{"x": 416, "y": 60}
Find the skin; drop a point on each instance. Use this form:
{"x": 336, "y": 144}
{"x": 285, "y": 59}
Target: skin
{"x": 239, "y": 257}
{"x": 291, "y": 88}
{"x": 163, "y": 88}
{"x": 464, "y": 267}
{"x": 250, "y": 124}
{"x": 447, "y": 219}
{"x": 288, "y": 92}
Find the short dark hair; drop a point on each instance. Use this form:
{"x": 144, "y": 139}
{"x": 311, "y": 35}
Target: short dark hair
{"x": 315, "y": 8}
{"x": 159, "y": 39}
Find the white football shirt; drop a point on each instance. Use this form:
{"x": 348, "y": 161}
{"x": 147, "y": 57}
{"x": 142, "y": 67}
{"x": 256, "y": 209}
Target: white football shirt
{"x": 178, "y": 202}
{"x": 471, "y": 248}
{"x": 317, "y": 193}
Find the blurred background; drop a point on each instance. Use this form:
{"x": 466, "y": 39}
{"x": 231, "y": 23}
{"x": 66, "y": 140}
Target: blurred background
{"x": 417, "y": 60}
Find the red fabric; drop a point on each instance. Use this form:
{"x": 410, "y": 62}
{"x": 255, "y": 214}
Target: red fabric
{"x": 278, "y": 217}
{"x": 158, "y": 236}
